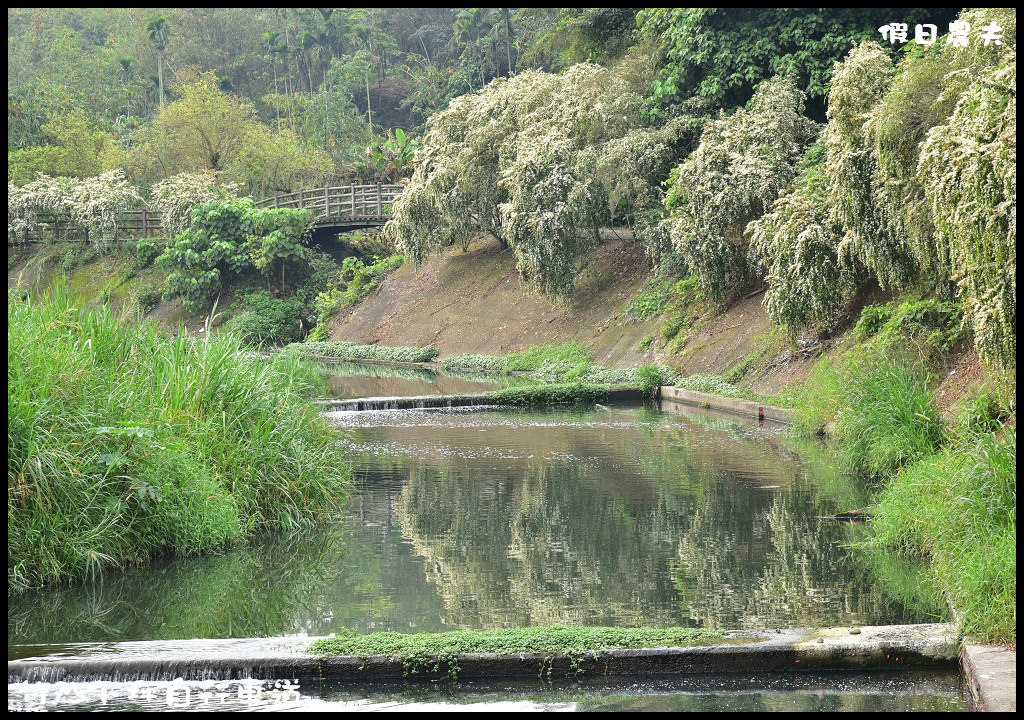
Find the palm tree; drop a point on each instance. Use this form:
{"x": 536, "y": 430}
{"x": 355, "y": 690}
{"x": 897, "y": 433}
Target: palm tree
{"x": 159, "y": 31}
{"x": 363, "y": 35}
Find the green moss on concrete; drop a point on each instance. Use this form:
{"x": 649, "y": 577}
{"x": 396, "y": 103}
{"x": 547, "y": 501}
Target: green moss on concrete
{"x": 429, "y": 652}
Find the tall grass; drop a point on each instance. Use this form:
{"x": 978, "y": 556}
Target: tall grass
{"x": 878, "y": 408}
{"x": 123, "y": 442}
{"x": 958, "y": 509}
{"x": 947, "y": 503}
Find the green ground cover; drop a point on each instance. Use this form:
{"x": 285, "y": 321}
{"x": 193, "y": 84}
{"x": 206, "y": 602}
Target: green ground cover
{"x": 426, "y": 652}
{"x": 353, "y": 351}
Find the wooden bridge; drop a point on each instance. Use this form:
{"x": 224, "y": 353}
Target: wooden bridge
{"x": 346, "y": 207}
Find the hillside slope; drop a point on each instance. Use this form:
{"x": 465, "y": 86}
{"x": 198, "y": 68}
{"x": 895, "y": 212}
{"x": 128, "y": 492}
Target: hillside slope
{"x": 474, "y": 302}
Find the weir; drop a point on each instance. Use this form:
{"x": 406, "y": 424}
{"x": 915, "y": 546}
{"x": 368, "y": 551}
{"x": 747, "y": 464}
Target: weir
{"x": 429, "y": 402}
{"x": 891, "y": 648}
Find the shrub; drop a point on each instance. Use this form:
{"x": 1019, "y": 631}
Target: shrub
{"x": 266, "y": 320}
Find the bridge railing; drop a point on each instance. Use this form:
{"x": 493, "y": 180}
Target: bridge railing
{"x": 354, "y": 202}
{"x": 330, "y": 205}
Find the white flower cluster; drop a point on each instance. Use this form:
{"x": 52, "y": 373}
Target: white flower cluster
{"x": 744, "y": 161}
{"x": 540, "y": 161}
{"x": 95, "y": 204}
{"x": 175, "y": 197}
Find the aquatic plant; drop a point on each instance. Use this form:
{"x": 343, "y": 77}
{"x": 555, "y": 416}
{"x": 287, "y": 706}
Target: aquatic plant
{"x": 353, "y": 351}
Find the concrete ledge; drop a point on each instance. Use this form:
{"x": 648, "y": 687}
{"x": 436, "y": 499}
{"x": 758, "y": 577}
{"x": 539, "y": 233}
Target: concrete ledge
{"x": 422, "y": 402}
{"x": 991, "y": 675}
{"x": 736, "y": 406}
{"x": 890, "y": 647}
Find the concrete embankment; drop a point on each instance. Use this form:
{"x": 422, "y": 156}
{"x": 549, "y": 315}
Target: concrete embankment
{"x": 735, "y": 406}
{"x": 889, "y": 648}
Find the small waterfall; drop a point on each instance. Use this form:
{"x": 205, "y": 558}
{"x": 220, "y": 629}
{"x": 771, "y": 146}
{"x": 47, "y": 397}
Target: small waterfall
{"x": 417, "y": 402}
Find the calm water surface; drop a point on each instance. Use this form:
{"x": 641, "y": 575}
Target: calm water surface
{"x": 504, "y": 518}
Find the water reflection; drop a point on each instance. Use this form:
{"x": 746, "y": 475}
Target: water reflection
{"x": 497, "y": 519}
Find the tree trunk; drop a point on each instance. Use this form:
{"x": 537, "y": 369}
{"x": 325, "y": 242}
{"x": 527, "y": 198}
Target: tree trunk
{"x": 160, "y": 76}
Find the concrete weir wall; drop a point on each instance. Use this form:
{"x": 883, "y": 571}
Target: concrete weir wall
{"x": 890, "y": 647}
{"x": 737, "y": 406}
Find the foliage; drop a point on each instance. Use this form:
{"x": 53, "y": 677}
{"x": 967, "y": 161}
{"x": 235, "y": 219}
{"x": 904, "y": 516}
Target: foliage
{"x": 392, "y": 155}
{"x": 650, "y": 378}
{"x": 930, "y": 325}
{"x": 207, "y": 129}
{"x": 123, "y": 442}
{"x": 354, "y": 282}
{"x": 430, "y": 652}
{"x": 175, "y": 197}
{"x": 76, "y": 148}
{"x": 353, "y": 351}
{"x": 229, "y": 236}
{"x": 958, "y": 509}
{"x": 522, "y": 160}
{"x": 715, "y": 57}
{"x": 266, "y": 320}
{"x": 94, "y": 204}
{"x": 858, "y": 84}
{"x": 709, "y": 384}
{"x": 574, "y": 393}
{"x": 968, "y": 168}
{"x": 878, "y": 408}
{"x": 795, "y": 245}
{"x": 552, "y": 357}
{"x": 742, "y": 164}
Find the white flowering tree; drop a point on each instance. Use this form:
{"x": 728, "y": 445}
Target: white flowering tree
{"x": 529, "y": 160}
{"x": 869, "y": 241}
{"x": 175, "y": 197}
{"x": 795, "y": 246}
{"x": 96, "y": 204}
{"x": 968, "y": 168}
{"x": 744, "y": 161}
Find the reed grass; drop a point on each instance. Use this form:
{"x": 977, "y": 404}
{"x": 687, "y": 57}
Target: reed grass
{"x": 123, "y": 442}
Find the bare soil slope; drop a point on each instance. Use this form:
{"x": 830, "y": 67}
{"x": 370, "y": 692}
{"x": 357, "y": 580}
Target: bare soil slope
{"x": 474, "y": 302}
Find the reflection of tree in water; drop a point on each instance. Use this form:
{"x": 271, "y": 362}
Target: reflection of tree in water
{"x": 542, "y": 549}
{"x": 776, "y": 567}
{"x": 677, "y": 530}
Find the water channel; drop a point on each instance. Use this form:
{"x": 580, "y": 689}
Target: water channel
{"x": 478, "y": 519}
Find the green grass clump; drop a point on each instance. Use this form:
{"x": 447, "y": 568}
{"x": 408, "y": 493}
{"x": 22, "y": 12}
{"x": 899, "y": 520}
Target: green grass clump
{"x": 554, "y": 394}
{"x": 352, "y": 351}
{"x": 429, "y": 652}
{"x": 878, "y": 409}
{"x": 123, "y": 442}
{"x": 709, "y": 384}
{"x": 553, "y": 362}
{"x": 958, "y": 509}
